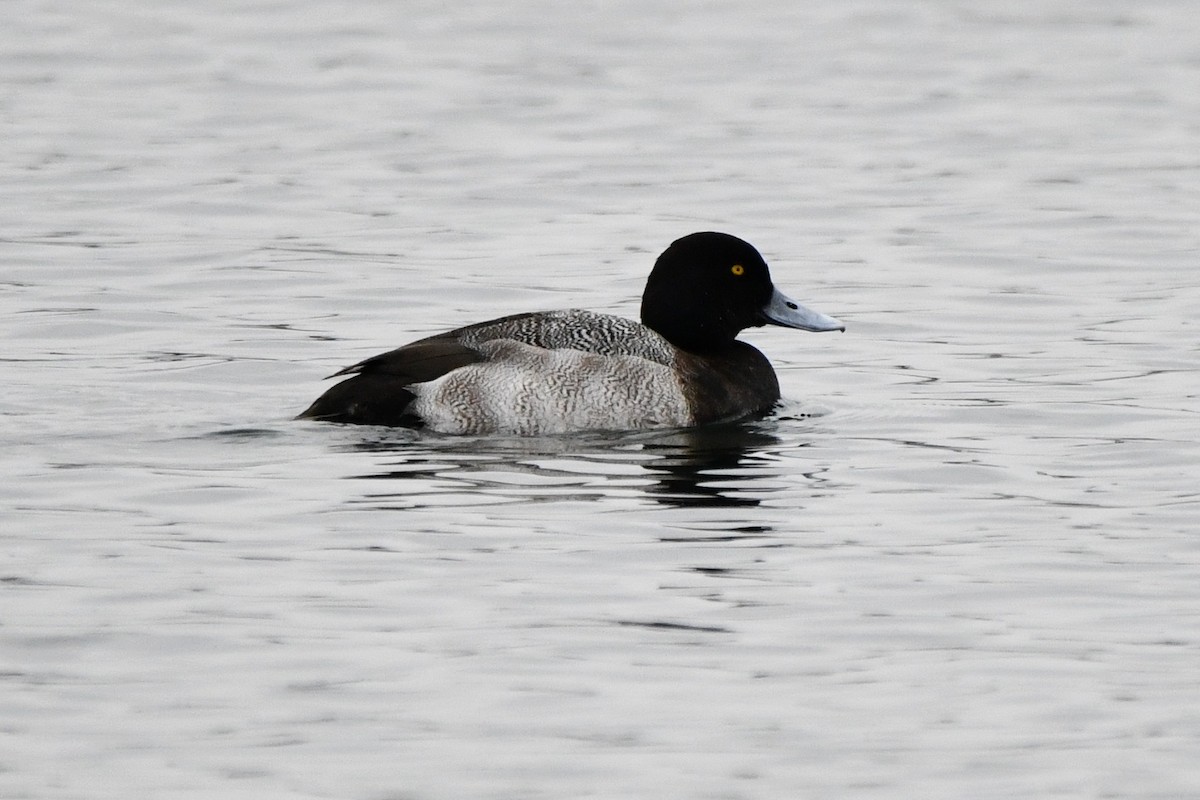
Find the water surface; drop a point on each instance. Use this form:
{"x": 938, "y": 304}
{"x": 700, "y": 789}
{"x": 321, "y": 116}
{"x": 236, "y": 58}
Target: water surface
{"x": 960, "y": 560}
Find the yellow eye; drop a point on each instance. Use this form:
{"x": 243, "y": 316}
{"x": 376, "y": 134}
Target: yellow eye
{"x": 738, "y": 269}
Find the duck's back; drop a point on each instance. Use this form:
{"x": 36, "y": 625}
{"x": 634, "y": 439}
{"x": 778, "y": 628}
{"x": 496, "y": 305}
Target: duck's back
{"x": 573, "y": 329}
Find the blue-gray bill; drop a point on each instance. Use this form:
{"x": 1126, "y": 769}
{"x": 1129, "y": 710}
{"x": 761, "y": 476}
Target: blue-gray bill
{"x": 782, "y": 310}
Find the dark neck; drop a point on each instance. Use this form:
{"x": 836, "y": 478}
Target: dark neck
{"x": 713, "y": 335}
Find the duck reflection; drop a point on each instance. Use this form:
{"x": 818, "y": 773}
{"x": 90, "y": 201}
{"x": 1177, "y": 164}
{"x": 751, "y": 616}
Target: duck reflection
{"x": 694, "y": 466}
{"x": 715, "y": 466}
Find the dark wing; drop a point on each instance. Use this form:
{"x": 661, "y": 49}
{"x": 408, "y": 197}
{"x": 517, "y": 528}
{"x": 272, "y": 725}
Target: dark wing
{"x": 377, "y": 391}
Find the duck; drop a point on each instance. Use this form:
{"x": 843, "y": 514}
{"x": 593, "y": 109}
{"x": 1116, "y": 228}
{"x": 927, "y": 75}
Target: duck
{"x": 572, "y": 370}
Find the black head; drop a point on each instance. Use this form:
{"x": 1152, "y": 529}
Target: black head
{"x": 708, "y": 287}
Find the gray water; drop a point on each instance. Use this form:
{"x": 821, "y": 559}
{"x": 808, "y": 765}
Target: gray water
{"x": 961, "y": 560}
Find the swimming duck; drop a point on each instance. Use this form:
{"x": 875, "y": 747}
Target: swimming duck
{"x": 572, "y": 370}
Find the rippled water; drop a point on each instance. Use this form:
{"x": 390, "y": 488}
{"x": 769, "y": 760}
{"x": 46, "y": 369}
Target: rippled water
{"x": 960, "y": 561}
